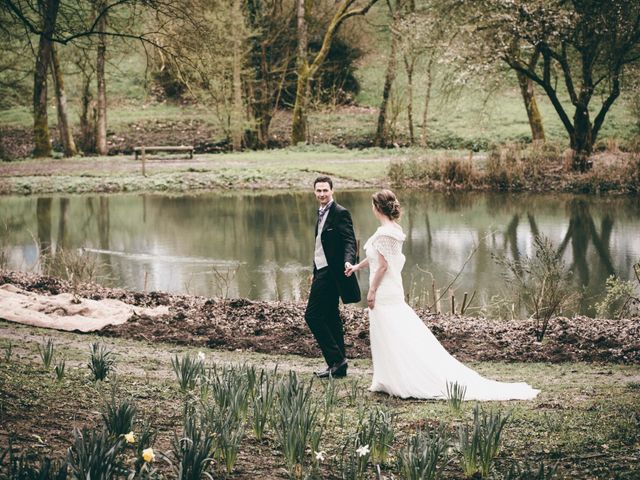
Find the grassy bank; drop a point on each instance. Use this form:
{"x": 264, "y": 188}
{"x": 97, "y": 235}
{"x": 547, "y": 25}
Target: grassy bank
{"x": 280, "y": 169}
{"x": 515, "y": 167}
{"x": 584, "y": 422}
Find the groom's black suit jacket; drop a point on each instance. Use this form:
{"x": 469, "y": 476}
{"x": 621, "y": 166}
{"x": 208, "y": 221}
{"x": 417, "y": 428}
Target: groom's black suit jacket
{"x": 339, "y": 245}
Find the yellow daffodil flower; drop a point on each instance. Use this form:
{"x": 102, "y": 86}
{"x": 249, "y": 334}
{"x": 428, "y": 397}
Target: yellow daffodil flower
{"x": 148, "y": 455}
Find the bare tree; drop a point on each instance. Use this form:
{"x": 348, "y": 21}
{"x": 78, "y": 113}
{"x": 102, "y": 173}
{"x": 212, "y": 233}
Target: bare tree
{"x": 584, "y": 47}
{"x": 390, "y": 73}
{"x": 306, "y": 69}
{"x": 66, "y": 21}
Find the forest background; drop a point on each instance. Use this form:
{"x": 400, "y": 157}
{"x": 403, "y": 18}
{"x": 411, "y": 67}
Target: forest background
{"x": 101, "y": 78}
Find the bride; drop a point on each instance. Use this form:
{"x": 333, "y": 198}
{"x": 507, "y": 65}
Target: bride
{"x": 408, "y": 360}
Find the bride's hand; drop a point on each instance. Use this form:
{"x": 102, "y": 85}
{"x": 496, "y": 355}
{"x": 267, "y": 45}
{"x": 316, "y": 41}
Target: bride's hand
{"x": 371, "y": 299}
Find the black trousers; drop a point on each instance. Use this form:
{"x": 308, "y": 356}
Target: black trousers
{"x": 323, "y": 316}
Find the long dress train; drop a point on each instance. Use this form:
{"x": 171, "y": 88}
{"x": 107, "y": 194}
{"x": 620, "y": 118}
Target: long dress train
{"x": 408, "y": 360}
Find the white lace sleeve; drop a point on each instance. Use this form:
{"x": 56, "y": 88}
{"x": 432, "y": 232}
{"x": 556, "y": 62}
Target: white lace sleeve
{"x": 387, "y": 246}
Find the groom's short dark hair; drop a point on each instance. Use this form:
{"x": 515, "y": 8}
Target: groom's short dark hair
{"x": 323, "y": 179}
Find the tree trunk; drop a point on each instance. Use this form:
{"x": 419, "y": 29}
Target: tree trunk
{"x": 389, "y": 77}
{"x": 41, "y": 136}
{"x": 427, "y": 99}
{"x": 87, "y": 118}
{"x": 299, "y": 121}
{"x": 101, "y": 117}
{"x": 237, "y": 116}
{"x": 409, "y": 65}
{"x": 582, "y": 139}
{"x": 66, "y": 135}
{"x": 263, "y": 129}
{"x": 531, "y": 106}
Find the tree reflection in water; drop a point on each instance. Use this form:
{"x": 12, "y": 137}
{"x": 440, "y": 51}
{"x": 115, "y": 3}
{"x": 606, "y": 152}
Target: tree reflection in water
{"x": 175, "y": 243}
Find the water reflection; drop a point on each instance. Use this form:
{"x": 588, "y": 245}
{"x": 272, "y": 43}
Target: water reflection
{"x": 260, "y": 245}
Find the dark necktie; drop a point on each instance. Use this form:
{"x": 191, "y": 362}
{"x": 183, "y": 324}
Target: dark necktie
{"x": 321, "y": 212}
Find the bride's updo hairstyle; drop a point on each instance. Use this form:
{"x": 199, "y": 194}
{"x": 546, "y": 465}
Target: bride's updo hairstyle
{"x": 386, "y": 203}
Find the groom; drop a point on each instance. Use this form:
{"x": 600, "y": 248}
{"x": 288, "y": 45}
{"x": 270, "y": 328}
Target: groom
{"x": 335, "y": 246}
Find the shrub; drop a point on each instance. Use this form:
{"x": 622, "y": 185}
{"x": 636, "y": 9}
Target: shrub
{"x": 541, "y": 283}
{"x": 452, "y": 171}
{"x": 622, "y": 298}
{"x": 457, "y": 173}
{"x": 503, "y": 170}
{"x": 75, "y": 265}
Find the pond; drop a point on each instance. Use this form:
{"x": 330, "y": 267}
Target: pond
{"x": 260, "y": 246}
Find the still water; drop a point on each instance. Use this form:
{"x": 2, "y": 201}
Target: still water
{"x": 260, "y": 246}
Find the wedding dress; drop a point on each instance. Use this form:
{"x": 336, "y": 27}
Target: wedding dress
{"x": 408, "y": 360}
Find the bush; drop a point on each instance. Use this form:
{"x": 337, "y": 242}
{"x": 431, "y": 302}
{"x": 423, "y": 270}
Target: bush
{"x": 457, "y": 172}
{"x": 622, "y": 299}
{"x": 541, "y": 283}
{"x": 514, "y": 166}
{"x": 452, "y": 171}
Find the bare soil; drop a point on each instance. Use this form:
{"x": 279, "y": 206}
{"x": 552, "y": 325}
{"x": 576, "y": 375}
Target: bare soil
{"x": 279, "y": 328}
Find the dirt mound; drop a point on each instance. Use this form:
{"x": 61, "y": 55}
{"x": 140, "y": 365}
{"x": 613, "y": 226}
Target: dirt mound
{"x": 279, "y": 328}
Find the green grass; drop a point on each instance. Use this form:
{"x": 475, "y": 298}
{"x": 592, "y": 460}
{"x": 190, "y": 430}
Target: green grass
{"x": 583, "y": 419}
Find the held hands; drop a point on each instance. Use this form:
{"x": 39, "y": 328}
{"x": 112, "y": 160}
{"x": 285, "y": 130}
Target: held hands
{"x": 349, "y": 269}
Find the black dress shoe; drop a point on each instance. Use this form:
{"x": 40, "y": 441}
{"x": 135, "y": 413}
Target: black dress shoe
{"x": 337, "y": 371}
{"x": 322, "y": 373}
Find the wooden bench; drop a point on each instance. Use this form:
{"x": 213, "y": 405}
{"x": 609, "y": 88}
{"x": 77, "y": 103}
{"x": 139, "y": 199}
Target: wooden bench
{"x": 165, "y": 148}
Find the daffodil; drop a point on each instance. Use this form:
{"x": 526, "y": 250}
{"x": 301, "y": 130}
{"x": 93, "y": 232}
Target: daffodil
{"x": 362, "y": 451}
{"x": 320, "y": 456}
{"x": 148, "y": 455}
{"x": 130, "y": 437}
